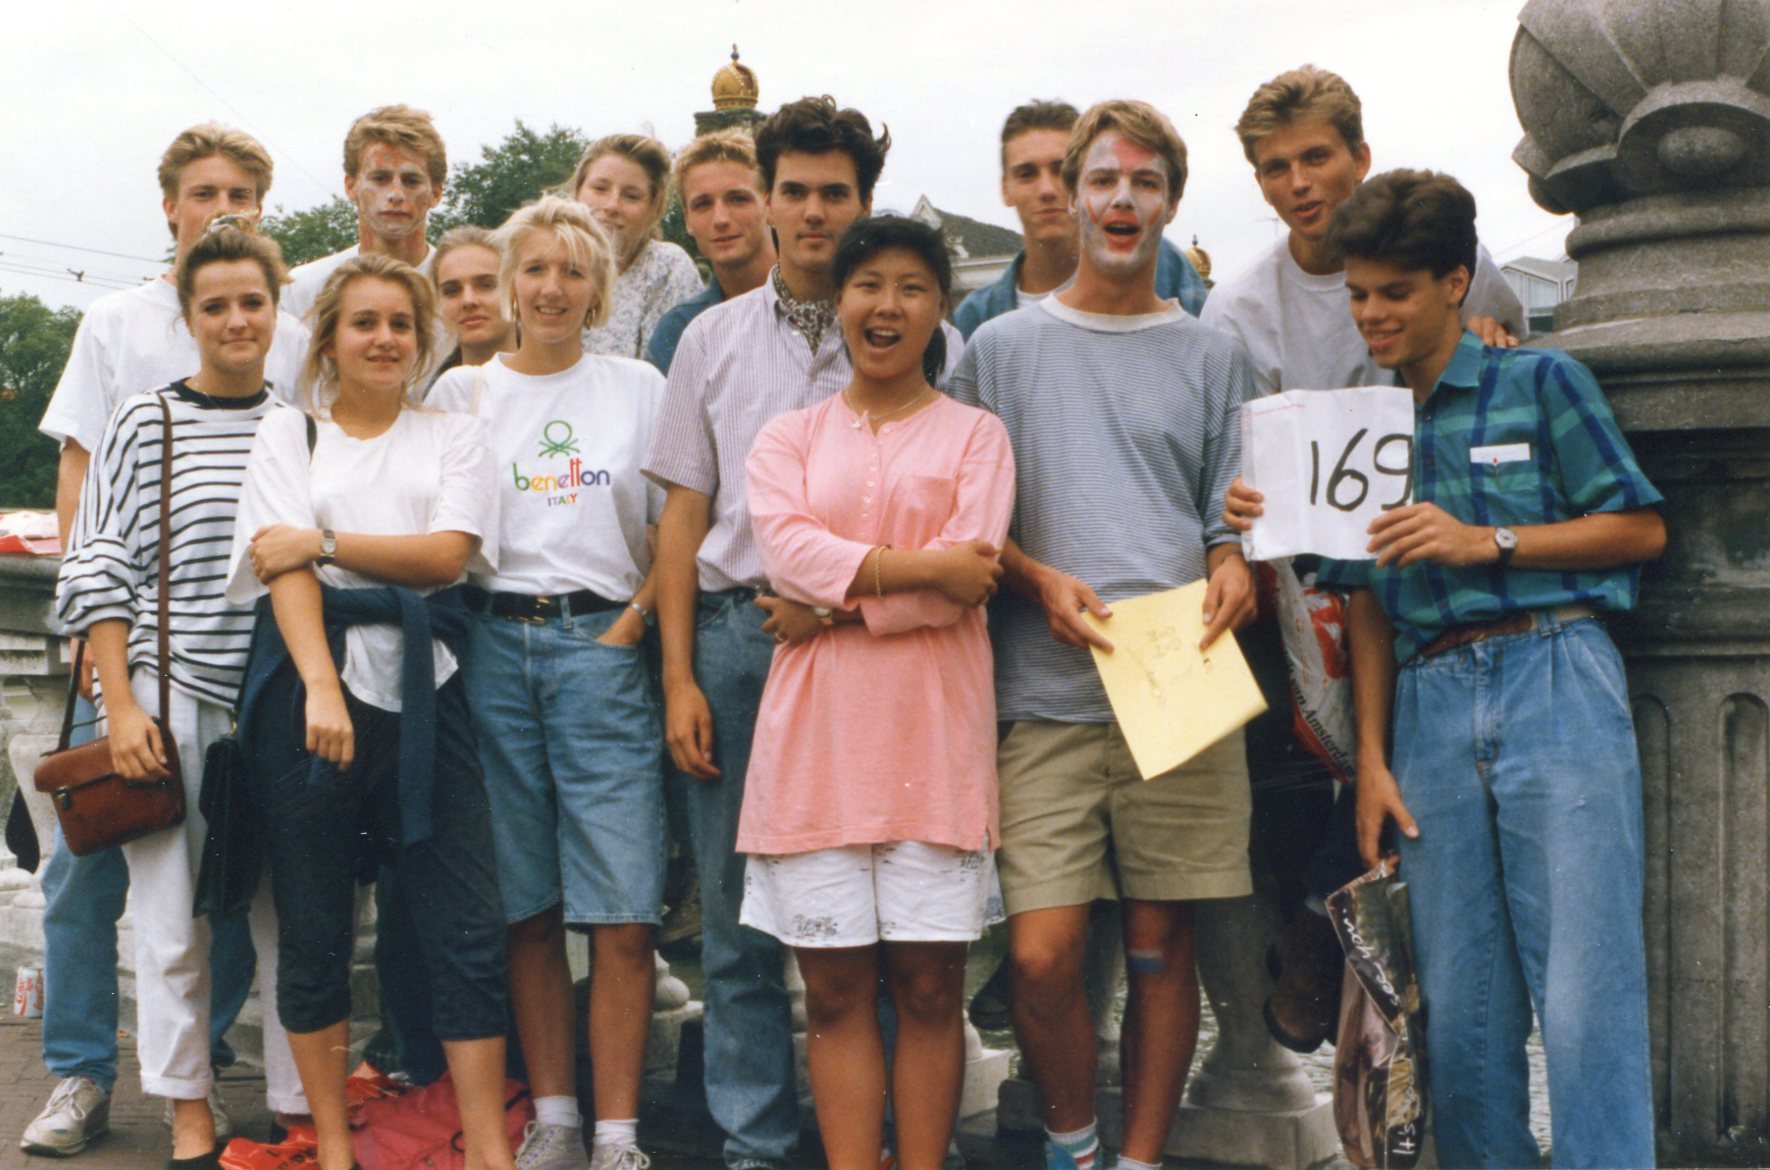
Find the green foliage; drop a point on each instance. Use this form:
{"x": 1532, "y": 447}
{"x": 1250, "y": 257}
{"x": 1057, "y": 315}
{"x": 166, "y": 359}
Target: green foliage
{"x": 34, "y": 344}
{"x": 314, "y": 232}
{"x": 514, "y": 172}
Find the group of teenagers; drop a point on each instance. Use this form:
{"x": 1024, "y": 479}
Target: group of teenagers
{"x": 437, "y": 510}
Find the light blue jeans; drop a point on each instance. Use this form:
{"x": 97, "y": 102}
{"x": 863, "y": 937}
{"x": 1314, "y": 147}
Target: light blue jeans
{"x": 83, "y": 898}
{"x": 751, "y": 1083}
{"x": 1517, "y": 758}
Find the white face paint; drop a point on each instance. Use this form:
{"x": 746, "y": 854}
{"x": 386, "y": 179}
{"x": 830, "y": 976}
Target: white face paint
{"x": 392, "y": 191}
{"x": 1121, "y": 203}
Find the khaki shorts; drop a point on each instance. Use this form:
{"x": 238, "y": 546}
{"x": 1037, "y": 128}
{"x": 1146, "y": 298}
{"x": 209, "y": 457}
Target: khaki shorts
{"x": 1080, "y": 823}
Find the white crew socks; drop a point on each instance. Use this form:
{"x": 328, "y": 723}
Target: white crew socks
{"x": 559, "y": 1111}
{"x": 616, "y": 1133}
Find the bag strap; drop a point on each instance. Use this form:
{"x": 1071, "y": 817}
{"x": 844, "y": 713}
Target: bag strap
{"x": 67, "y": 713}
{"x": 313, "y": 434}
{"x": 165, "y": 559}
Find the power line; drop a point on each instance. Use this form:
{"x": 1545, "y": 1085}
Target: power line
{"x": 244, "y": 120}
{"x": 63, "y": 277}
{"x": 80, "y": 248}
{"x": 19, "y": 258}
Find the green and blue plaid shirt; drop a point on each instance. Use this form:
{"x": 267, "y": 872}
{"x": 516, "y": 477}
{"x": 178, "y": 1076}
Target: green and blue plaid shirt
{"x": 1507, "y": 437}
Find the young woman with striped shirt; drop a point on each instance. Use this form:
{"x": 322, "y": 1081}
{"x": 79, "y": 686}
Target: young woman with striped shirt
{"x": 109, "y": 590}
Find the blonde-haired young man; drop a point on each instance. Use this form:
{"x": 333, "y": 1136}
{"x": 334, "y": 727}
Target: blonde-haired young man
{"x": 1124, "y": 416}
{"x": 1303, "y": 132}
{"x": 719, "y": 184}
{"x": 394, "y": 168}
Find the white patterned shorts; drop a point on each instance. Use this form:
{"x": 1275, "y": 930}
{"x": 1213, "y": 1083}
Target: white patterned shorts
{"x": 857, "y": 895}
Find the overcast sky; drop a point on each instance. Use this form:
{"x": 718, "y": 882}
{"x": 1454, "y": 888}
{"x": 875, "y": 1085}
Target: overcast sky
{"x": 98, "y": 89}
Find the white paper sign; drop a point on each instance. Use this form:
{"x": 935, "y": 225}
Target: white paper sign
{"x": 1328, "y": 462}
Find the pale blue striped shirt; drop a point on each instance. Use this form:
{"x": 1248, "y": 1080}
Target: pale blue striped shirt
{"x": 1126, "y": 433}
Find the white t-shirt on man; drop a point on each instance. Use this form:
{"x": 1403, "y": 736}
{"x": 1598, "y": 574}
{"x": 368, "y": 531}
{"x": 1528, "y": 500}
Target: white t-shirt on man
{"x": 136, "y": 340}
{"x": 1298, "y": 330}
{"x": 429, "y": 472}
{"x": 567, "y": 449}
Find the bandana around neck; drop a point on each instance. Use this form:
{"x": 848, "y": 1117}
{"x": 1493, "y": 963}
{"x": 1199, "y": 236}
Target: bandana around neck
{"x": 810, "y": 318}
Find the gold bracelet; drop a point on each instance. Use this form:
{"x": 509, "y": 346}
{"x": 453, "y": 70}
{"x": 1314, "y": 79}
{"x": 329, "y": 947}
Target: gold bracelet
{"x": 878, "y": 562}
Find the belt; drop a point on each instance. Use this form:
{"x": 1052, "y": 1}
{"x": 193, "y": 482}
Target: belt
{"x": 527, "y": 607}
{"x": 1516, "y": 623}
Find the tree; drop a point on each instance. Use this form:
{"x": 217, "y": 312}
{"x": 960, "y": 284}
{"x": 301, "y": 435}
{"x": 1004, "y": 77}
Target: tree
{"x": 314, "y": 232}
{"x": 34, "y": 344}
{"x": 514, "y": 172}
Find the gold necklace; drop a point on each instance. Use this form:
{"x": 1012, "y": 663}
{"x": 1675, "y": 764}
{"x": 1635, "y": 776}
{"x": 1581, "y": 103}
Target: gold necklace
{"x": 866, "y": 418}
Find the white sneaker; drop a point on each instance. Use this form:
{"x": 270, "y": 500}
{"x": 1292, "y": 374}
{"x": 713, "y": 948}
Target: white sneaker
{"x": 224, "y": 1125}
{"x": 552, "y": 1147}
{"x": 619, "y": 1158}
{"x": 77, "y": 1112}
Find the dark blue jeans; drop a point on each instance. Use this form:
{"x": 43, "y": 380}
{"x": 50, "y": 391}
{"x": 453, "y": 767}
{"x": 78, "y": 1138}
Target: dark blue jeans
{"x": 322, "y": 826}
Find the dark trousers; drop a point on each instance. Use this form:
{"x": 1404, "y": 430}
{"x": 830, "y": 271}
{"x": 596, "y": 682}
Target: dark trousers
{"x": 323, "y": 827}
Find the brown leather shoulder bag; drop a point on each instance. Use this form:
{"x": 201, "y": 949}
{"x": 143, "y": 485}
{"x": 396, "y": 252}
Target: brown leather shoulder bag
{"x": 98, "y": 808}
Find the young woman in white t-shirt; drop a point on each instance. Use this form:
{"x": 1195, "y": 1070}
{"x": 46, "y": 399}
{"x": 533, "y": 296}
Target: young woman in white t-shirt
{"x": 360, "y": 522}
{"x": 624, "y": 179}
{"x": 227, "y": 285}
{"x": 464, "y": 269}
{"x": 568, "y": 726}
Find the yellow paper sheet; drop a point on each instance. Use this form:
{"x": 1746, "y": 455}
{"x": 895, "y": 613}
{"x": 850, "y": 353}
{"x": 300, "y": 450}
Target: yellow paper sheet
{"x": 1172, "y": 700}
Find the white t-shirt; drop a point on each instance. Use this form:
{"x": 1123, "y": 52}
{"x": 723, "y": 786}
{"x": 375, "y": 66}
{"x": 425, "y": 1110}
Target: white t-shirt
{"x": 1298, "y": 330}
{"x": 310, "y": 278}
{"x": 134, "y": 341}
{"x": 429, "y": 472}
{"x": 567, "y": 448}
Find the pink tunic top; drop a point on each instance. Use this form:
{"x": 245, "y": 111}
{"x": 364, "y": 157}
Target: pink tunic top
{"x": 882, "y": 731}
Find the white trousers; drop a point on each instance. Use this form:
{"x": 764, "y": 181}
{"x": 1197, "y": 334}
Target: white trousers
{"x": 172, "y": 946}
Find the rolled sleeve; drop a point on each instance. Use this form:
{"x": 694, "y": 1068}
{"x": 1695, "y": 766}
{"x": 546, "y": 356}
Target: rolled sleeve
{"x": 803, "y": 558}
{"x": 682, "y": 451}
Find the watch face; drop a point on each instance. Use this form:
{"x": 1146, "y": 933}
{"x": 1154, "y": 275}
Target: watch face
{"x": 1505, "y": 538}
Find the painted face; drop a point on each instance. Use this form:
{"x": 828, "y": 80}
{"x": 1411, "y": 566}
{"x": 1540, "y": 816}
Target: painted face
{"x": 376, "y": 344}
{"x": 815, "y": 198}
{"x": 722, "y": 209}
{"x": 392, "y": 191}
{"x": 467, "y": 295}
{"x": 1032, "y": 183}
{"x": 232, "y": 316}
{"x": 618, "y": 193}
{"x": 553, "y": 295}
{"x": 1122, "y": 203}
{"x": 209, "y": 187}
{"x": 1403, "y": 314}
{"x": 1305, "y": 171}
{"x": 888, "y": 309}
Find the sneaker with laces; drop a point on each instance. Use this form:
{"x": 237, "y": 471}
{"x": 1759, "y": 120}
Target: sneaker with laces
{"x": 551, "y": 1147}
{"x": 77, "y": 1112}
{"x": 224, "y": 1125}
{"x": 619, "y": 1158}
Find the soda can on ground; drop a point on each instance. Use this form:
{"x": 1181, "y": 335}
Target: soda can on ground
{"x": 27, "y": 995}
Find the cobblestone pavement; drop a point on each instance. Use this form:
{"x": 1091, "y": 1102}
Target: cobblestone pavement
{"x": 138, "y": 1141}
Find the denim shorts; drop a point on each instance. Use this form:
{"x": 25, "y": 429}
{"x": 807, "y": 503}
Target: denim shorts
{"x": 571, "y": 741}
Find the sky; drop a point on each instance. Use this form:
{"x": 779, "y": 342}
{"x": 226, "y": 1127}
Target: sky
{"x": 100, "y": 88}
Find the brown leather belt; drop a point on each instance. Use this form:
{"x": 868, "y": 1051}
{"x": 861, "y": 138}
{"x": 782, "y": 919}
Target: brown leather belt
{"x": 1516, "y": 623}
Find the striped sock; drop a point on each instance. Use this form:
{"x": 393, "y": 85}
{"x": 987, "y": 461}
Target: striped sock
{"x": 1082, "y": 1145}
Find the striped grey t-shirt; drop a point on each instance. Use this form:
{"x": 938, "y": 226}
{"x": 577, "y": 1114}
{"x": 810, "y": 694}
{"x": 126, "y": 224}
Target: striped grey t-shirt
{"x": 1126, "y": 434}
{"x": 111, "y": 571}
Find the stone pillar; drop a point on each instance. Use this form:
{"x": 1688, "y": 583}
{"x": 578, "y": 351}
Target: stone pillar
{"x": 1650, "y": 120}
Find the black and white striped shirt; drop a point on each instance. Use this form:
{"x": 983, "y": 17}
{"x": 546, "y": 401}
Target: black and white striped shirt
{"x": 110, "y": 572}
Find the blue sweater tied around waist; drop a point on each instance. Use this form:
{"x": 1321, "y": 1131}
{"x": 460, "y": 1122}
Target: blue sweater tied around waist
{"x": 443, "y": 614}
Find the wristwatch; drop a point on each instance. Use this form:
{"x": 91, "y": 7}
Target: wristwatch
{"x": 328, "y": 547}
{"x": 645, "y": 615}
{"x": 1507, "y": 540}
{"x": 824, "y": 614}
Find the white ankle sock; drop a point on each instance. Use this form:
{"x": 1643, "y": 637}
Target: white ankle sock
{"x": 1133, "y": 1164}
{"x": 559, "y": 1111}
{"x": 616, "y": 1133}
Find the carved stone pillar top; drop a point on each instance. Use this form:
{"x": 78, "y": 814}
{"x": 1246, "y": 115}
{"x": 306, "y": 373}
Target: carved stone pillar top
{"x": 1627, "y": 98}
{"x": 1650, "y": 119}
